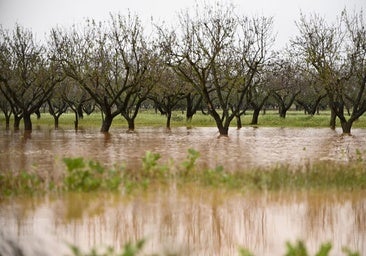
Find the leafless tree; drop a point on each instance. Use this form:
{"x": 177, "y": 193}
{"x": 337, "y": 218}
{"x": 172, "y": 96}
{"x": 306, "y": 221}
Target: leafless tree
{"x": 219, "y": 54}
{"x": 337, "y": 54}
{"x": 29, "y": 76}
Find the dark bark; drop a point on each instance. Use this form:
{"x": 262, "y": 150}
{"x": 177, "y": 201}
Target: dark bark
{"x": 255, "y": 116}
{"x": 168, "y": 118}
{"x": 131, "y": 124}
{"x": 311, "y": 108}
{"x": 17, "y": 119}
{"x": 192, "y": 106}
{"x": 38, "y": 113}
{"x": 238, "y": 122}
{"x": 346, "y": 126}
{"x": 333, "y": 117}
{"x": 27, "y": 121}
{"x": 79, "y": 110}
{"x": 56, "y": 118}
{"x": 7, "y": 122}
{"x": 76, "y": 122}
{"x": 106, "y": 123}
{"x": 282, "y": 111}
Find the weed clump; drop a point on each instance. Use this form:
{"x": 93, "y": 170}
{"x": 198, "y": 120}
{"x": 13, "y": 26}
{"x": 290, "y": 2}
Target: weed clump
{"x": 85, "y": 176}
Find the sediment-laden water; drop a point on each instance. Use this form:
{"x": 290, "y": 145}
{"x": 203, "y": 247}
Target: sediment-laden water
{"x": 189, "y": 220}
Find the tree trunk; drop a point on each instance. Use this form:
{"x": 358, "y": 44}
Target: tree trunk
{"x": 131, "y": 124}
{"x": 255, "y": 116}
{"x": 333, "y": 117}
{"x": 224, "y": 131}
{"x": 346, "y": 126}
{"x": 79, "y": 110}
{"x": 7, "y": 122}
{"x": 106, "y": 124}
{"x": 282, "y": 111}
{"x": 56, "y": 117}
{"x": 17, "y": 122}
{"x": 27, "y": 121}
{"x": 238, "y": 122}
{"x": 168, "y": 118}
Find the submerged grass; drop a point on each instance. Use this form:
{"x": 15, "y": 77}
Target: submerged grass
{"x": 151, "y": 118}
{"x": 292, "y": 249}
{"x": 82, "y": 175}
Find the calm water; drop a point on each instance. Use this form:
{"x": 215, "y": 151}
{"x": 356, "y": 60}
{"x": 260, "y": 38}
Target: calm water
{"x": 190, "y": 220}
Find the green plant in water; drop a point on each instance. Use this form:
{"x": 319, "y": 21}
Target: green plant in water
{"x": 190, "y": 161}
{"x": 21, "y": 183}
{"x": 88, "y": 177}
{"x": 129, "y": 249}
{"x": 299, "y": 249}
{"x": 133, "y": 249}
{"x": 151, "y": 167}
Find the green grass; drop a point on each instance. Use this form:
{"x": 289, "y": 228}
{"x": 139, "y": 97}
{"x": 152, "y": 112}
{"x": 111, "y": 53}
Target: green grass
{"x": 152, "y": 119}
{"x": 84, "y": 176}
{"x": 134, "y": 249}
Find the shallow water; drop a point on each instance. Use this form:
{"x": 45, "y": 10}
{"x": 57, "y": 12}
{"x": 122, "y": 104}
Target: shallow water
{"x": 43, "y": 150}
{"x": 189, "y": 220}
{"x": 192, "y": 221}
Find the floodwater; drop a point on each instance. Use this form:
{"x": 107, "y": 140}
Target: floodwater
{"x": 189, "y": 220}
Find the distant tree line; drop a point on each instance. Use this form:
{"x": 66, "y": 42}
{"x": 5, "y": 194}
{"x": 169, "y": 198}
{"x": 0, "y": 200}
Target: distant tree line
{"x": 214, "y": 60}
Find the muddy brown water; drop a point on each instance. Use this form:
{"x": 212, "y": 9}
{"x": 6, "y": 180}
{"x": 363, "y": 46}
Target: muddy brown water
{"x": 189, "y": 220}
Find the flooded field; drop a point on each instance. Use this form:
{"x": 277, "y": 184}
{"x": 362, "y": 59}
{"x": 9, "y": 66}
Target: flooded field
{"x": 187, "y": 220}
{"x": 43, "y": 150}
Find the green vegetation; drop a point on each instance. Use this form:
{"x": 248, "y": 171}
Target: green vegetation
{"x": 129, "y": 249}
{"x": 296, "y": 249}
{"x": 88, "y": 176}
{"x": 20, "y": 183}
{"x": 150, "y": 118}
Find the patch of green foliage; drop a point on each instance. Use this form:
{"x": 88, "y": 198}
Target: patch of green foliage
{"x": 20, "y": 183}
{"x": 85, "y": 176}
{"x": 90, "y": 176}
{"x": 131, "y": 249}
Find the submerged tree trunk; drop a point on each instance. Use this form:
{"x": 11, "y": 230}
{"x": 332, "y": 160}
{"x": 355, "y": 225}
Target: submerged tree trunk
{"x": 7, "y": 121}
{"x": 238, "y": 122}
{"x": 56, "y": 118}
{"x": 27, "y": 121}
{"x": 17, "y": 120}
{"x": 106, "y": 123}
{"x": 76, "y": 122}
{"x": 346, "y": 126}
{"x": 131, "y": 124}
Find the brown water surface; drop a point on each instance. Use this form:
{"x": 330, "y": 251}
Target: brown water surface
{"x": 190, "y": 220}
{"x": 44, "y": 149}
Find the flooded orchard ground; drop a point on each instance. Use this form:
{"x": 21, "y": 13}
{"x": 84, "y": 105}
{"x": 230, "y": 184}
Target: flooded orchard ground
{"x": 190, "y": 220}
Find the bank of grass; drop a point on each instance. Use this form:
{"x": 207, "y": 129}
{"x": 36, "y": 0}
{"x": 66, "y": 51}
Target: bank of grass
{"x": 152, "y": 119}
{"x": 84, "y": 176}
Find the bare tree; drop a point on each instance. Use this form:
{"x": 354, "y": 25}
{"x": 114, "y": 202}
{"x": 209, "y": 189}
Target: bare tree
{"x": 140, "y": 58}
{"x": 168, "y": 93}
{"x": 218, "y": 53}
{"x": 111, "y": 61}
{"x": 337, "y": 54}
{"x": 31, "y": 75}
{"x": 285, "y": 85}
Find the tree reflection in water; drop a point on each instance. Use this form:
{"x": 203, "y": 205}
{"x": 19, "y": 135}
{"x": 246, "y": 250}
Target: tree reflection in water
{"x": 195, "y": 221}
